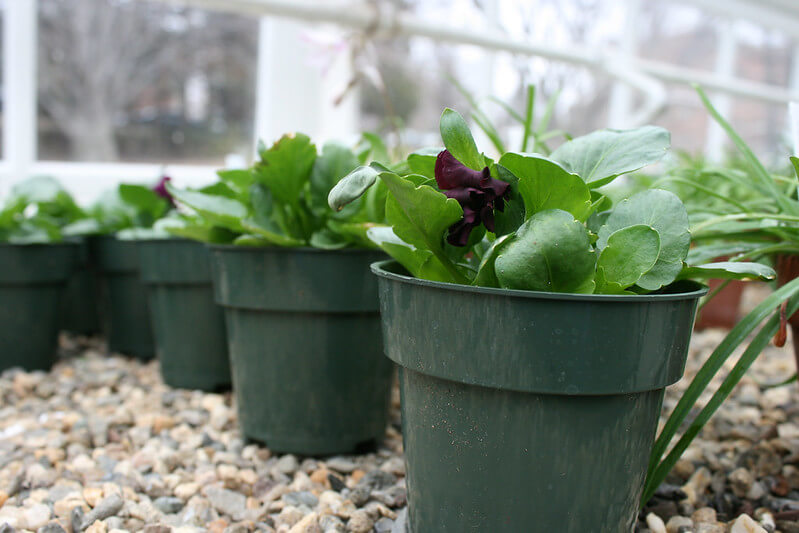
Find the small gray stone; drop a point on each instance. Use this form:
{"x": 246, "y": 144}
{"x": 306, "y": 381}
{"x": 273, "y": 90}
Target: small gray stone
{"x": 287, "y": 464}
{"x": 168, "y": 505}
{"x": 741, "y": 480}
{"x": 331, "y": 524}
{"x": 52, "y": 527}
{"x": 157, "y": 528}
{"x": 377, "y": 479}
{"x": 393, "y": 496}
{"x": 384, "y": 525}
{"x": 400, "y": 521}
{"x": 107, "y": 507}
{"x": 226, "y": 501}
{"x": 76, "y": 519}
{"x": 359, "y": 495}
{"x": 301, "y": 498}
{"x": 341, "y": 464}
{"x": 361, "y": 521}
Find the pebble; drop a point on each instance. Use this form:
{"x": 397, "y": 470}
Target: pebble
{"x": 107, "y": 507}
{"x": 746, "y": 524}
{"x": 655, "y": 523}
{"x": 676, "y": 522}
{"x": 308, "y": 524}
{"x": 36, "y": 516}
{"x": 287, "y": 464}
{"x": 100, "y": 444}
{"x": 361, "y": 521}
{"x": 226, "y": 501}
{"x": 168, "y": 505}
{"x": 741, "y": 481}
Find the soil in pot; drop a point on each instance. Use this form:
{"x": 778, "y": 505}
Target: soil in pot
{"x": 32, "y": 283}
{"x": 527, "y": 411}
{"x": 188, "y": 326}
{"x": 305, "y": 347}
{"x": 123, "y": 299}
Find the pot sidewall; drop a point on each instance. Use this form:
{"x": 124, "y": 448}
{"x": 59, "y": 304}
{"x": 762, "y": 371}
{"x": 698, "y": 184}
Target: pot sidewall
{"x": 31, "y": 289}
{"x": 124, "y": 309}
{"x": 188, "y": 326}
{"x": 509, "y": 421}
{"x": 305, "y": 347}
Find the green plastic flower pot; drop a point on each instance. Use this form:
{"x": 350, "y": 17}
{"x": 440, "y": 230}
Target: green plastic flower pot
{"x": 32, "y": 283}
{"x": 123, "y": 299}
{"x": 529, "y": 411}
{"x": 189, "y": 327}
{"x": 305, "y": 347}
{"x": 80, "y": 311}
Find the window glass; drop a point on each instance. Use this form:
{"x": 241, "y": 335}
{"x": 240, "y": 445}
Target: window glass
{"x": 127, "y": 80}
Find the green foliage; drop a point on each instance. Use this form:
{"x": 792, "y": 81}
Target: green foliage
{"x": 550, "y": 252}
{"x": 742, "y": 211}
{"x": 663, "y": 212}
{"x": 558, "y": 231}
{"x": 628, "y": 253}
{"x": 282, "y": 199}
{"x": 601, "y": 156}
{"x": 543, "y": 184}
{"x": 458, "y": 139}
{"x": 36, "y": 211}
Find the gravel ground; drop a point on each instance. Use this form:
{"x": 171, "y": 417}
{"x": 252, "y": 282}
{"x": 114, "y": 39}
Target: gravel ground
{"x": 101, "y": 444}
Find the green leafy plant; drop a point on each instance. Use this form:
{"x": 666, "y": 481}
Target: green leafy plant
{"x": 759, "y": 221}
{"x": 532, "y": 222}
{"x": 535, "y": 130}
{"x": 282, "y": 199}
{"x": 36, "y": 211}
{"x": 125, "y": 210}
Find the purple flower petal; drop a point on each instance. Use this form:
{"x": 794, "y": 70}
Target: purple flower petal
{"x": 475, "y": 190}
{"x": 160, "y": 190}
{"x": 451, "y": 173}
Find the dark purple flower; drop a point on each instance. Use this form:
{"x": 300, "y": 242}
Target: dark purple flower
{"x": 160, "y": 190}
{"x": 477, "y": 192}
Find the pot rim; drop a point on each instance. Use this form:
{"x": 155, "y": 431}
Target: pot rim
{"x": 66, "y": 243}
{"x": 379, "y": 268}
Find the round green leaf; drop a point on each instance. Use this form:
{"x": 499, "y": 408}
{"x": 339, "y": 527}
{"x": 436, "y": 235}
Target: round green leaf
{"x": 602, "y": 155}
{"x": 544, "y": 184}
{"x": 551, "y": 252}
{"x": 628, "y": 254}
{"x": 666, "y": 214}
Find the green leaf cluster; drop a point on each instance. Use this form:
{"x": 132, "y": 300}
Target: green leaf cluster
{"x": 36, "y": 211}
{"x": 281, "y": 200}
{"x": 128, "y": 210}
{"x": 557, "y": 232}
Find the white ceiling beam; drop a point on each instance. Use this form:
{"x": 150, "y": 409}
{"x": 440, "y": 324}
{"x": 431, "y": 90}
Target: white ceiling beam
{"x": 367, "y": 17}
{"x": 770, "y": 14}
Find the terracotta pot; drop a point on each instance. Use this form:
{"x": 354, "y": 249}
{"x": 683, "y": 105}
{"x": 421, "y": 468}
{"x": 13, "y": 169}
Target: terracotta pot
{"x": 722, "y": 311}
{"x": 787, "y": 267}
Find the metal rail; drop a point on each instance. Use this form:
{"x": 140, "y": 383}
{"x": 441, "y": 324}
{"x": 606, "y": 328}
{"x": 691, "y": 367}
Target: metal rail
{"x": 366, "y": 17}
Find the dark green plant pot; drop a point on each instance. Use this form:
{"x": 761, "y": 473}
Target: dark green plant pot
{"x": 529, "y": 411}
{"x": 305, "y": 347}
{"x": 123, "y": 299}
{"x": 32, "y": 281}
{"x": 80, "y": 307}
{"x": 189, "y": 327}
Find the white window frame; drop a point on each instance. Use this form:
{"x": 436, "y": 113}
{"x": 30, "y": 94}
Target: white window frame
{"x": 277, "y": 79}
{"x": 87, "y": 179}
